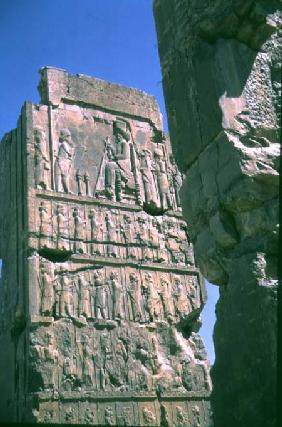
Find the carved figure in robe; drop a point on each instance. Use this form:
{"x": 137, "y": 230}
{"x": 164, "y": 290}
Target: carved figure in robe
{"x": 83, "y": 298}
{"x": 162, "y": 180}
{"x": 49, "y": 357}
{"x": 41, "y": 159}
{"x": 182, "y": 305}
{"x": 94, "y": 230}
{"x": 65, "y": 296}
{"x": 78, "y": 231}
{"x": 78, "y": 178}
{"x": 119, "y": 168}
{"x": 64, "y": 161}
{"x": 87, "y": 364}
{"x": 176, "y": 181}
{"x": 111, "y": 235}
{"x": 100, "y": 296}
{"x": 44, "y": 227}
{"x": 116, "y": 295}
{"x": 146, "y": 169}
{"x": 100, "y": 372}
{"x": 46, "y": 283}
{"x": 61, "y": 223}
{"x": 147, "y": 291}
{"x": 134, "y": 295}
{"x": 164, "y": 295}
{"x": 193, "y": 293}
{"x": 126, "y": 232}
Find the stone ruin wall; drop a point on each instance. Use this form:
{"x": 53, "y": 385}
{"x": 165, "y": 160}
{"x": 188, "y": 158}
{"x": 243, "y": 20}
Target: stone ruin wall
{"x": 100, "y": 296}
{"x": 221, "y": 65}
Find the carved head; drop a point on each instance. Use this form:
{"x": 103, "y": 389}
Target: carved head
{"x": 65, "y": 135}
{"x": 39, "y": 134}
{"x": 97, "y": 274}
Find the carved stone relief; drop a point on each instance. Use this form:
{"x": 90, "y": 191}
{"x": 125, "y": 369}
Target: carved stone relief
{"x": 113, "y": 290}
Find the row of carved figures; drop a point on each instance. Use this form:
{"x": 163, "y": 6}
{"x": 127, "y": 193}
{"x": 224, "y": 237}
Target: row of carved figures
{"x": 124, "y": 416}
{"x": 125, "y": 171}
{"x": 160, "y": 240}
{"x": 107, "y": 415}
{"x": 93, "y": 296}
{"x": 113, "y": 363}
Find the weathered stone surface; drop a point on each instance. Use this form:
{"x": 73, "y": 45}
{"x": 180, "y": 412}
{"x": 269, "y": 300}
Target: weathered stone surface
{"x": 100, "y": 295}
{"x": 221, "y": 64}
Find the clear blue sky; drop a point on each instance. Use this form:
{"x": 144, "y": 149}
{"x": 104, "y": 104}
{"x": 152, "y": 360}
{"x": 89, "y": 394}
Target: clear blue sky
{"x": 110, "y": 39}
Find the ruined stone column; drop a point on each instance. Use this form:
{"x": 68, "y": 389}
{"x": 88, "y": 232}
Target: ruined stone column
{"x": 221, "y": 65}
{"x": 100, "y": 295}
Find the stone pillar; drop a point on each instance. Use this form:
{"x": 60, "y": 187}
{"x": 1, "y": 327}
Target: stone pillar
{"x": 221, "y": 65}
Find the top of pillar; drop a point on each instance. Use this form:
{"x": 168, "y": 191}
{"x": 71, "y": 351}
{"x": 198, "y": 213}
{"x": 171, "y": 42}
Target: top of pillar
{"x": 58, "y": 86}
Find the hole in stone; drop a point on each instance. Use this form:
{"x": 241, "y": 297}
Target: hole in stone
{"x": 152, "y": 209}
{"x": 55, "y": 255}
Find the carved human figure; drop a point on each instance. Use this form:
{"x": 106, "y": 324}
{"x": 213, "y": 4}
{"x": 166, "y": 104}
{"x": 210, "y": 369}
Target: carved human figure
{"x": 83, "y": 298}
{"x": 44, "y": 224}
{"x": 64, "y": 290}
{"x": 100, "y": 296}
{"x": 193, "y": 292}
{"x": 181, "y": 417}
{"x": 126, "y": 231}
{"x": 63, "y": 161}
{"x": 187, "y": 374}
{"x": 100, "y": 373}
{"x": 146, "y": 169}
{"x": 69, "y": 373}
{"x": 111, "y": 235}
{"x": 134, "y": 295}
{"x": 49, "y": 357}
{"x": 124, "y": 419}
{"x": 119, "y": 168}
{"x": 196, "y": 416}
{"x": 109, "y": 417}
{"x": 162, "y": 180}
{"x": 61, "y": 223}
{"x": 69, "y": 415}
{"x": 147, "y": 290}
{"x": 116, "y": 289}
{"x": 148, "y": 417}
{"x": 78, "y": 231}
{"x": 41, "y": 159}
{"x": 176, "y": 181}
{"x": 181, "y": 302}
{"x": 165, "y": 296}
{"x": 46, "y": 283}
{"x": 87, "y": 363}
{"x": 94, "y": 230}
{"x": 89, "y": 416}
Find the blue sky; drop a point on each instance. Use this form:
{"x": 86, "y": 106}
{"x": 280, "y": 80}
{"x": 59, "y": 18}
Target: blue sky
{"x": 110, "y": 39}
